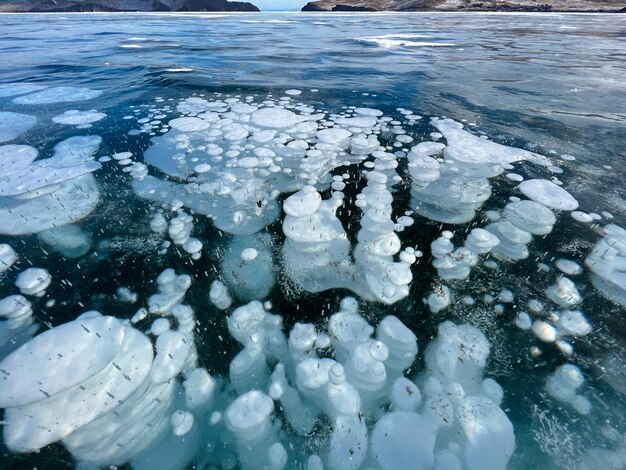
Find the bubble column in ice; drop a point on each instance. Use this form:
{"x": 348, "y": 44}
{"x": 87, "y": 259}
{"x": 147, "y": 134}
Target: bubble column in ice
{"x": 260, "y": 333}
{"x": 219, "y": 295}
{"x": 454, "y": 417}
{"x": 248, "y": 266}
{"x": 401, "y": 344}
{"x": 16, "y": 323}
{"x": 249, "y": 418}
{"x": 7, "y": 257}
{"x": 564, "y": 293}
{"x": 322, "y": 385}
{"x": 347, "y": 328}
{"x": 386, "y": 280}
{"x": 563, "y": 385}
{"x": 180, "y": 228}
{"x": 365, "y": 370}
{"x": 452, "y": 190}
{"x": 33, "y": 281}
{"x": 36, "y": 195}
{"x": 171, "y": 289}
{"x": 299, "y": 414}
{"x": 464, "y": 402}
{"x": 439, "y": 191}
{"x": 522, "y": 220}
{"x": 456, "y": 264}
{"x": 175, "y": 356}
{"x": 95, "y": 392}
{"x": 316, "y": 249}
{"x": 323, "y": 382}
{"x": 17, "y": 311}
{"x": 69, "y": 240}
{"x": 450, "y": 263}
{"x": 16, "y": 320}
{"x": 457, "y": 421}
{"x": 607, "y": 262}
{"x": 423, "y": 168}
{"x": 439, "y": 298}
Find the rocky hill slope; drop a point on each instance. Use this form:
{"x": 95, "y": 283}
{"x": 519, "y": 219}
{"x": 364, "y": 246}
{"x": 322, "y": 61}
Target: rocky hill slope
{"x": 123, "y": 5}
{"x": 468, "y": 5}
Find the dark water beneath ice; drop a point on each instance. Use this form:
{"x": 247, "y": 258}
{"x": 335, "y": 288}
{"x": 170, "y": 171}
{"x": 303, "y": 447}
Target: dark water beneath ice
{"x": 550, "y": 83}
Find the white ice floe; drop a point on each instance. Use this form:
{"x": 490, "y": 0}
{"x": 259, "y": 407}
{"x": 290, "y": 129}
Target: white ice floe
{"x": 607, "y": 262}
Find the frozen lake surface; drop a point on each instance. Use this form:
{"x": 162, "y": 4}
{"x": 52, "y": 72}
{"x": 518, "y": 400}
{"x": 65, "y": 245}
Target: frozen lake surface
{"x": 313, "y": 241}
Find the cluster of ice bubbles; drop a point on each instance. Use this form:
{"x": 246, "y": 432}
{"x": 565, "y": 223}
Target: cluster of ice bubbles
{"x": 118, "y": 390}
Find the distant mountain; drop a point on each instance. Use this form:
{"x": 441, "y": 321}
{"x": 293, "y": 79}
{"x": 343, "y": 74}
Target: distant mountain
{"x": 468, "y": 5}
{"x": 122, "y": 5}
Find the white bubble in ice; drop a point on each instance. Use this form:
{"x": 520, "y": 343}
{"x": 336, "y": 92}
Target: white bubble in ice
{"x": 12, "y": 125}
{"x": 59, "y": 94}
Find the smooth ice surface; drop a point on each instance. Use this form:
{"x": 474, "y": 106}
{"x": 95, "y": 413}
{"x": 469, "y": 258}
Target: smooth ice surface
{"x": 274, "y": 184}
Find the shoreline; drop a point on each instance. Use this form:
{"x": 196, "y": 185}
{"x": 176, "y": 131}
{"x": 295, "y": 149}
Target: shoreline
{"x": 317, "y": 13}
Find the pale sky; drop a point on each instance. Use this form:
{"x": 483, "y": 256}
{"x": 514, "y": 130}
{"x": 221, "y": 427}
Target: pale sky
{"x": 280, "y": 5}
